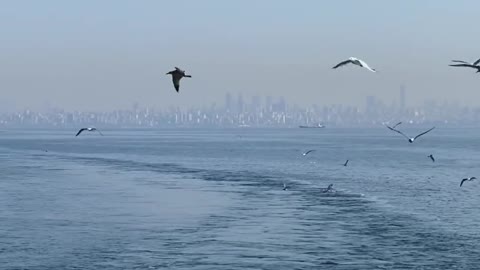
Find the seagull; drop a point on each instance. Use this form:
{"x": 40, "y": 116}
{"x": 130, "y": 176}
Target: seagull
{"x": 328, "y": 189}
{"x": 467, "y": 179}
{"x": 355, "y": 61}
{"x": 308, "y": 152}
{"x": 88, "y": 129}
{"x": 432, "y": 158}
{"x": 467, "y": 65}
{"x": 465, "y": 62}
{"x": 410, "y": 140}
{"x": 285, "y": 186}
{"x": 346, "y": 162}
{"x": 177, "y": 75}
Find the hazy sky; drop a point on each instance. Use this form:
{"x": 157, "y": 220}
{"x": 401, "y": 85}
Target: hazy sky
{"x": 103, "y": 55}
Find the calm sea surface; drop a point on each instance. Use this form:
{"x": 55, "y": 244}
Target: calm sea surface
{"x": 213, "y": 199}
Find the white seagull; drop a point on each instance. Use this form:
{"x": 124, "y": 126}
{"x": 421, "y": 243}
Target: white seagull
{"x": 410, "y": 140}
{"x": 355, "y": 61}
{"x": 88, "y": 129}
{"x": 177, "y": 75}
{"x": 308, "y": 152}
{"x": 467, "y": 179}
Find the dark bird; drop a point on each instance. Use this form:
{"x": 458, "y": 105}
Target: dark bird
{"x": 308, "y": 152}
{"x": 467, "y": 65}
{"x": 432, "y": 158}
{"x": 346, "y": 162}
{"x": 88, "y": 129}
{"x": 285, "y": 186}
{"x": 467, "y": 179}
{"x": 355, "y": 61}
{"x": 410, "y": 140}
{"x": 328, "y": 189}
{"x": 177, "y": 75}
{"x": 465, "y": 62}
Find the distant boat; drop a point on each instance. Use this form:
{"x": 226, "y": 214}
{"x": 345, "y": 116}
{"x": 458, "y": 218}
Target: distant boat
{"x": 317, "y": 126}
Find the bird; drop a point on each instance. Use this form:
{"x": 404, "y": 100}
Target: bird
{"x": 177, "y": 75}
{"x": 328, "y": 189}
{"x": 467, "y": 65}
{"x": 285, "y": 186}
{"x": 355, "y": 61}
{"x": 410, "y": 140}
{"x": 467, "y": 179}
{"x": 432, "y": 158}
{"x": 346, "y": 162}
{"x": 88, "y": 129}
{"x": 465, "y": 62}
{"x": 308, "y": 152}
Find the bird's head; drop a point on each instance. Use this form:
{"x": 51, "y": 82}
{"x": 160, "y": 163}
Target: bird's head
{"x": 330, "y": 186}
{"x": 411, "y": 140}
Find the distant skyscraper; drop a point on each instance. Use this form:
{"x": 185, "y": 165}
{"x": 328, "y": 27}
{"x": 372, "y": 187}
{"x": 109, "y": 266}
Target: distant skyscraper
{"x": 268, "y": 103}
{"x": 228, "y": 102}
{"x": 402, "y": 97}
{"x": 240, "y": 103}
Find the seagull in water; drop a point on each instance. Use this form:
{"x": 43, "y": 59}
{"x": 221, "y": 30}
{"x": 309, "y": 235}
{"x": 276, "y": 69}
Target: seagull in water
{"x": 308, "y": 152}
{"x": 355, "y": 61}
{"x": 346, "y": 162}
{"x": 467, "y": 179}
{"x": 177, "y": 75}
{"x": 285, "y": 186}
{"x": 328, "y": 189}
{"x": 432, "y": 158}
{"x": 88, "y": 129}
{"x": 410, "y": 140}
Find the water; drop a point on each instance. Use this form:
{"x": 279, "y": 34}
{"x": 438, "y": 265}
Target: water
{"x": 213, "y": 199}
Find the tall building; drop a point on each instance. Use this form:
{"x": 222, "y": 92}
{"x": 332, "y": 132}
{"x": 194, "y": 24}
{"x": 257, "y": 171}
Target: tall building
{"x": 240, "y": 104}
{"x": 370, "y": 104}
{"x": 228, "y": 102}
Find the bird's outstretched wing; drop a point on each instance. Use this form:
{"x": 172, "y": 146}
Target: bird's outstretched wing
{"x": 308, "y": 152}
{"x": 99, "y": 132}
{"x": 476, "y": 62}
{"x": 398, "y": 131}
{"x": 465, "y": 65}
{"x": 80, "y": 131}
{"x": 423, "y": 133}
{"x": 460, "y": 61}
{"x": 346, "y": 162}
{"x": 365, "y": 65}
{"x": 463, "y": 180}
{"x": 397, "y": 124}
{"x": 176, "y": 81}
{"x": 432, "y": 158}
{"x": 342, "y": 63}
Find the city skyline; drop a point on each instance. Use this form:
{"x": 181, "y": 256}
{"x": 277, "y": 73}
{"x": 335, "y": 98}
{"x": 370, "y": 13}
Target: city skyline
{"x": 89, "y": 56}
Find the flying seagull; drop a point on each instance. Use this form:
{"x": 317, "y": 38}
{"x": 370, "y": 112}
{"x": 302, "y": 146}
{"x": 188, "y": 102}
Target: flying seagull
{"x": 467, "y": 65}
{"x": 285, "y": 186}
{"x": 465, "y": 62}
{"x": 355, "y": 61}
{"x": 88, "y": 129}
{"x": 467, "y": 179}
{"x": 346, "y": 162}
{"x": 177, "y": 75}
{"x": 432, "y": 158}
{"x": 410, "y": 140}
{"x": 308, "y": 152}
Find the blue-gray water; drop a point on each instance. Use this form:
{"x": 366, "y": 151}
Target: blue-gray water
{"x": 213, "y": 199}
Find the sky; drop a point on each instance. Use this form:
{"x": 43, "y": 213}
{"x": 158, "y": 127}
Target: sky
{"x": 105, "y": 55}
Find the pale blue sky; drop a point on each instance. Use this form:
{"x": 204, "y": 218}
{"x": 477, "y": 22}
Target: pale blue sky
{"x": 106, "y": 54}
